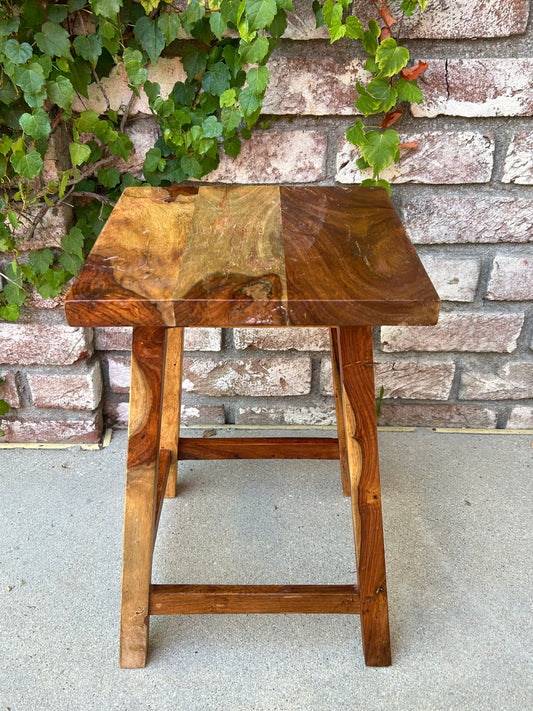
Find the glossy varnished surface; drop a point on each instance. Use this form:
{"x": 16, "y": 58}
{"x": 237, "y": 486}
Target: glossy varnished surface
{"x": 252, "y": 255}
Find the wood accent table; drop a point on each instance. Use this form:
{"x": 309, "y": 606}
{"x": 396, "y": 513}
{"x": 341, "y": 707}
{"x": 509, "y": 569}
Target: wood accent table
{"x": 250, "y": 256}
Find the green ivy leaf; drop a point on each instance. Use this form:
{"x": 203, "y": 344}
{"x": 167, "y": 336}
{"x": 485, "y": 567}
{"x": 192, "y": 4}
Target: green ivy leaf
{"x": 14, "y": 294}
{"x": 217, "y": 79}
{"x": 211, "y": 128}
{"x": 356, "y": 133}
{"x": 40, "y": 260}
{"x": 30, "y": 78}
{"x": 18, "y": 53}
{"x": 255, "y": 51}
{"x": 354, "y": 28}
{"x": 51, "y": 283}
{"x": 150, "y": 37}
{"x": 381, "y": 89}
{"x": 409, "y": 91}
{"x": 36, "y": 125}
{"x": 366, "y": 103}
{"x": 79, "y": 153}
{"x": 73, "y": 242}
{"x": 194, "y": 61}
{"x": 54, "y": 40}
{"x": 108, "y": 177}
{"x": 257, "y": 79}
{"x": 153, "y": 161}
{"x": 4, "y": 407}
{"x": 28, "y": 165}
{"x": 61, "y": 92}
{"x": 106, "y": 8}
{"x": 217, "y": 24}
{"x": 56, "y": 13}
{"x": 231, "y": 119}
{"x": 89, "y": 47}
{"x": 169, "y": 24}
{"x": 10, "y": 312}
{"x": 228, "y": 98}
{"x": 260, "y": 13}
{"x": 391, "y": 59}
{"x": 380, "y": 149}
{"x": 121, "y": 146}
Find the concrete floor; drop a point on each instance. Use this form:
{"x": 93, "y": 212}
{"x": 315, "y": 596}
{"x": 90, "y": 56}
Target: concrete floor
{"x": 458, "y": 532}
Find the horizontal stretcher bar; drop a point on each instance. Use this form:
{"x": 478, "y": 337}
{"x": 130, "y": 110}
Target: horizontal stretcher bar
{"x": 224, "y": 599}
{"x": 258, "y": 448}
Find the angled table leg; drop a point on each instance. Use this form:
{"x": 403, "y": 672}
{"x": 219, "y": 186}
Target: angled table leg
{"x": 147, "y": 361}
{"x": 357, "y": 375}
{"x": 341, "y": 432}
{"x": 170, "y": 416}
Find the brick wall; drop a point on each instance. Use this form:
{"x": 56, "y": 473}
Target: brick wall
{"x": 466, "y": 196}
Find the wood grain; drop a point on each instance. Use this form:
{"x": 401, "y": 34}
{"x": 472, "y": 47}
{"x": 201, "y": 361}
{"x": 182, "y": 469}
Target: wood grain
{"x": 341, "y": 432}
{"x": 147, "y": 359}
{"x": 252, "y": 256}
{"x": 258, "y": 448}
{"x": 170, "y": 415}
{"x": 234, "y": 259}
{"x": 238, "y": 599}
{"x": 357, "y": 374}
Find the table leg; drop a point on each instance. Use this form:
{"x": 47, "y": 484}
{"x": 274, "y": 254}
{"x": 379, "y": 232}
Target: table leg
{"x": 147, "y": 361}
{"x": 170, "y": 416}
{"x": 341, "y": 432}
{"x": 357, "y": 375}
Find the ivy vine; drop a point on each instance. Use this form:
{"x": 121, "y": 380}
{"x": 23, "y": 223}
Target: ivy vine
{"x": 51, "y": 52}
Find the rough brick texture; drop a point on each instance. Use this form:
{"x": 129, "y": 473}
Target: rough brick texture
{"x": 511, "y": 279}
{"x": 457, "y": 332}
{"x": 512, "y": 381}
{"x": 473, "y": 220}
{"x": 81, "y": 390}
{"x": 441, "y": 157}
{"x": 465, "y": 196}
{"x": 477, "y": 87}
{"x": 282, "y": 339}
{"x": 251, "y": 376}
{"x": 9, "y": 389}
{"x": 276, "y": 157}
{"x": 518, "y": 167}
{"x": 43, "y": 344}
{"x": 400, "y": 379}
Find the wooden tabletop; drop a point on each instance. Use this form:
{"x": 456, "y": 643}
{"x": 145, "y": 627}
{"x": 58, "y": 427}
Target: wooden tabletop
{"x": 252, "y": 256}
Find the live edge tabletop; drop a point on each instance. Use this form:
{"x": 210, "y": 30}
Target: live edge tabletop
{"x": 252, "y": 256}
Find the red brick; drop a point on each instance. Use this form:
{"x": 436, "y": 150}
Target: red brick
{"x": 457, "y": 332}
{"x": 274, "y": 157}
{"x": 441, "y": 415}
{"x": 82, "y": 430}
{"x": 454, "y": 279}
{"x": 282, "y": 339}
{"x": 520, "y": 418}
{"x": 441, "y": 158}
{"x": 459, "y": 19}
{"x": 119, "y": 370}
{"x": 316, "y": 86}
{"x": 518, "y": 167}
{"x": 477, "y": 87}
{"x": 118, "y": 338}
{"x": 44, "y": 344}
{"x": 76, "y": 389}
{"x": 249, "y": 376}
{"x": 310, "y": 416}
{"x": 453, "y": 220}
{"x": 512, "y": 381}
{"x": 117, "y": 414}
{"x": 511, "y": 279}
{"x": 416, "y": 380}
{"x": 9, "y": 390}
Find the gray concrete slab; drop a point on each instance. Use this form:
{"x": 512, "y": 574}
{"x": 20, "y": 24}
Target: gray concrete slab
{"x": 458, "y": 531}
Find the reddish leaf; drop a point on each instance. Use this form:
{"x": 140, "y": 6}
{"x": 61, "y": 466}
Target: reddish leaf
{"x": 385, "y": 34}
{"x": 391, "y": 118}
{"x": 410, "y": 144}
{"x": 387, "y": 17}
{"x": 412, "y": 73}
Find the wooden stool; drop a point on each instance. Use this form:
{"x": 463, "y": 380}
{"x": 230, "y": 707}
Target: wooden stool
{"x": 250, "y": 256}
